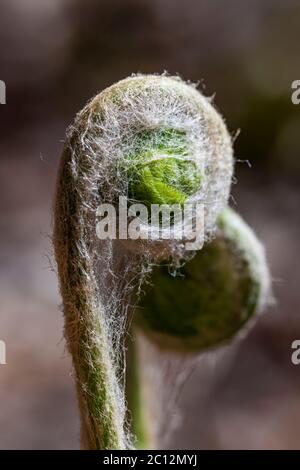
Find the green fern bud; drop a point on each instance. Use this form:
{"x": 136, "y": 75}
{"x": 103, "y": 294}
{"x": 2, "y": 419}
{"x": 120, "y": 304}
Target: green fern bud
{"x": 214, "y": 295}
{"x": 161, "y": 169}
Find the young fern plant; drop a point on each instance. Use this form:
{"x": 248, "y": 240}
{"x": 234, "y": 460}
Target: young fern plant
{"x": 153, "y": 140}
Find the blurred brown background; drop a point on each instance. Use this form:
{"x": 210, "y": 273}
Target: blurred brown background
{"x": 56, "y": 54}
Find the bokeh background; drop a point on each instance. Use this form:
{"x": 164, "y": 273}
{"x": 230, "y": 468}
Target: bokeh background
{"x": 56, "y": 54}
